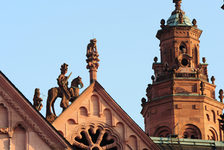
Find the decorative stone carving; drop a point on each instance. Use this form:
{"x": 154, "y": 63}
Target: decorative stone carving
{"x": 202, "y": 87}
{"x": 194, "y": 22}
{"x": 143, "y": 101}
{"x": 153, "y": 78}
{"x": 149, "y": 92}
{"x": 96, "y": 137}
{"x": 37, "y": 101}
{"x": 162, "y": 23}
{"x": 181, "y": 19}
{"x": 4, "y": 130}
{"x": 213, "y": 79}
{"x": 67, "y": 94}
{"x": 177, "y": 7}
{"x": 204, "y": 60}
{"x": 155, "y": 59}
{"x": 92, "y": 59}
{"x": 221, "y": 95}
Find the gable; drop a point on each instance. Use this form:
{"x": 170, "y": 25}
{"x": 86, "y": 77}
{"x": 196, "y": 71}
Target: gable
{"x": 21, "y": 126}
{"x": 94, "y": 118}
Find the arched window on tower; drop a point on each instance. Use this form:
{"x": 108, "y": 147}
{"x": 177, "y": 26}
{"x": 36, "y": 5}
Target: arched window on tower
{"x": 195, "y": 56}
{"x": 163, "y": 131}
{"x": 208, "y": 118}
{"x": 212, "y": 134}
{"x": 183, "y": 48}
{"x": 192, "y": 132}
{"x": 213, "y": 116}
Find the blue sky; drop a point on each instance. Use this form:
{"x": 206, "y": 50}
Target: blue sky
{"x": 36, "y": 37}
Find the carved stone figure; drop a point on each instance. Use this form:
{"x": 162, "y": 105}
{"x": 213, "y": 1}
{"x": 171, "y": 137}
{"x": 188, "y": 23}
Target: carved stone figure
{"x": 221, "y": 95}
{"x": 62, "y": 81}
{"x": 92, "y": 59}
{"x": 65, "y": 93}
{"x": 37, "y": 101}
{"x": 91, "y": 47}
{"x": 92, "y": 55}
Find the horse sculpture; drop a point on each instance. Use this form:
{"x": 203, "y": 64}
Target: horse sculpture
{"x": 56, "y": 92}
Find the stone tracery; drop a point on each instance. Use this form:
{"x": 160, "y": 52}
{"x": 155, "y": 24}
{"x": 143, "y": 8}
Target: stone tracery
{"x": 96, "y": 137}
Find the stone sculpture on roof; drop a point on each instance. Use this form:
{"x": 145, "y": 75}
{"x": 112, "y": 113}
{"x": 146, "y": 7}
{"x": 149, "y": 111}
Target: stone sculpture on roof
{"x": 37, "y": 101}
{"x": 63, "y": 91}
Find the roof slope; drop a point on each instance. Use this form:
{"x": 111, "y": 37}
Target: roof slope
{"x": 22, "y": 112}
{"x": 96, "y": 106}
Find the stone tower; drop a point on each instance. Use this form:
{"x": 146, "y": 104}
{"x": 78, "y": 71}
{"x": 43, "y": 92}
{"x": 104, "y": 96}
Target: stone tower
{"x": 181, "y": 100}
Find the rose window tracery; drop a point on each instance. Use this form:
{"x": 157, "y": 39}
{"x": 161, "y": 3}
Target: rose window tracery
{"x": 96, "y": 138}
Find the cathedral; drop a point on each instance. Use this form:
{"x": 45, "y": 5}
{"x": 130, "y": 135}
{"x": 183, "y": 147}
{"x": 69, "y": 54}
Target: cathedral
{"x": 180, "y": 110}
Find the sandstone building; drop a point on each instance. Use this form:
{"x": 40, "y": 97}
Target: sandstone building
{"x": 181, "y": 100}
{"x": 180, "y": 112}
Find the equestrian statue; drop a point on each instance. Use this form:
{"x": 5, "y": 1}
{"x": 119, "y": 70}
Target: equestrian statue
{"x": 66, "y": 94}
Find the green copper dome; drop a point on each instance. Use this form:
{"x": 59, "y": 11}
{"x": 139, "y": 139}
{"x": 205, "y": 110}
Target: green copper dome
{"x": 178, "y": 17}
{"x": 175, "y": 20}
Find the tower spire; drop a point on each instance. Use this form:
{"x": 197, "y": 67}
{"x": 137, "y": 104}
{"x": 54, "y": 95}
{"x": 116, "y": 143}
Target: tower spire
{"x": 178, "y": 4}
{"x": 177, "y": 7}
{"x": 92, "y": 60}
{"x": 180, "y": 88}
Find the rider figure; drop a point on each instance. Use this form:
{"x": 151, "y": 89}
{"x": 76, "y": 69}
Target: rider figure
{"x": 63, "y": 86}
